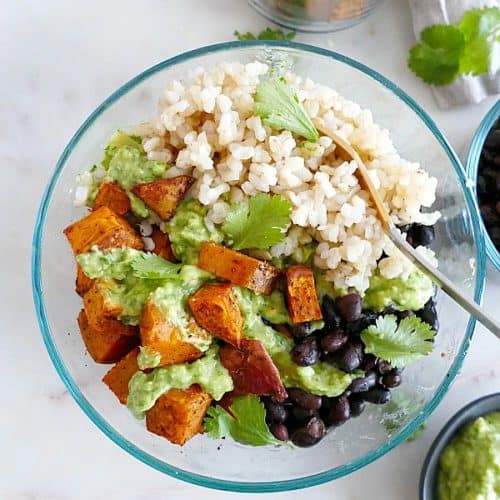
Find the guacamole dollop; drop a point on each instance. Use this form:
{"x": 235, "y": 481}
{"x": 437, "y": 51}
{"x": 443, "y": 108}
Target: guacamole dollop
{"x": 187, "y": 231}
{"x": 469, "y": 468}
{"x": 410, "y": 294}
{"x": 208, "y": 372}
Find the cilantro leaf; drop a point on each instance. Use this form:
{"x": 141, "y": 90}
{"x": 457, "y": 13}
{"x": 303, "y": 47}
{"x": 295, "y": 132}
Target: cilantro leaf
{"x": 446, "y": 52}
{"x": 279, "y": 107}
{"x": 267, "y": 34}
{"x": 152, "y": 266}
{"x": 260, "y": 224}
{"x": 437, "y": 59}
{"x": 398, "y": 344}
{"x": 246, "y": 423}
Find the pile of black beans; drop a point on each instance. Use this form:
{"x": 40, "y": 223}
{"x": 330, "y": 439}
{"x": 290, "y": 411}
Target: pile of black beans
{"x": 488, "y": 184}
{"x": 304, "y": 418}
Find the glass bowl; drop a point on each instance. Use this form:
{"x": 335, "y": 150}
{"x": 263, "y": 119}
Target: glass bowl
{"x": 315, "y": 16}
{"x": 472, "y": 167}
{"x": 226, "y": 464}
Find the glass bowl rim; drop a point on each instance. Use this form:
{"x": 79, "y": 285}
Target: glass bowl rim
{"x": 472, "y": 168}
{"x": 198, "y": 479}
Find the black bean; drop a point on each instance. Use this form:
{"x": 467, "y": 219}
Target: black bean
{"x": 357, "y": 405}
{"x": 405, "y": 314}
{"x": 304, "y": 399}
{"x": 421, "y": 235}
{"x": 429, "y": 314}
{"x": 275, "y": 412}
{"x": 369, "y": 362}
{"x": 301, "y": 415}
{"x": 310, "y": 434}
{"x": 378, "y": 395}
{"x": 279, "y": 431}
{"x": 266, "y": 321}
{"x": 334, "y": 340}
{"x": 493, "y": 139}
{"x": 366, "y": 319}
{"x": 349, "y": 306}
{"x": 330, "y": 317}
{"x": 349, "y": 357}
{"x": 383, "y": 366}
{"x": 391, "y": 379}
{"x": 340, "y": 412}
{"x": 300, "y": 330}
{"x": 307, "y": 352}
{"x": 365, "y": 383}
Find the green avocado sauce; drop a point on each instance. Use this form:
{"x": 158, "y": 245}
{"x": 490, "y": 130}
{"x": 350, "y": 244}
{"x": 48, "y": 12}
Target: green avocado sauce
{"x": 208, "y": 372}
{"x": 469, "y": 468}
{"x": 187, "y": 231}
{"x": 125, "y": 163}
{"x": 148, "y": 358}
{"x": 410, "y": 294}
{"x": 321, "y": 378}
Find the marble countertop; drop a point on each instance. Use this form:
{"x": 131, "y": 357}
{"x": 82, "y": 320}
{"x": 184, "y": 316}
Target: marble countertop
{"x": 59, "y": 60}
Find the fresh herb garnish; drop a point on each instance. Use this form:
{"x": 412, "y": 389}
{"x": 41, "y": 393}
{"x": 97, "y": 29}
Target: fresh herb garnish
{"x": 120, "y": 263}
{"x": 448, "y": 51}
{"x": 260, "y": 224}
{"x": 279, "y": 107}
{"x": 400, "y": 345}
{"x": 267, "y": 34}
{"x": 246, "y": 423}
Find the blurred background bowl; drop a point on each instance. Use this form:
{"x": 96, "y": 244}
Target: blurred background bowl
{"x": 430, "y": 470}
{"x": 318, "y": 16}
{"x": 472, "y": 171}
{"x": 228, "y": 465}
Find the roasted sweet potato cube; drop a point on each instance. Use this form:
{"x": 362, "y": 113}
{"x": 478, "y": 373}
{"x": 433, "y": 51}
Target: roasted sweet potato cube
{"x": 162, "y": 245}
{"x": 178, "y": 415}
{"x": 104, "y": 228}
{"x": 163, "y": 196}
{"x": 105, "y": 346}
{"x": 238, "y": 268}
{"x": 215, "y": 308}
{"x": 102, "y": 313}
{"x": 252, "y": 370}
{"x": 302, "y": 299}
{"x": 118, "y": 377}
{"x": 111, "y": 195}
{"x": 83, "y": 284}
{"x": 161, "y": 335}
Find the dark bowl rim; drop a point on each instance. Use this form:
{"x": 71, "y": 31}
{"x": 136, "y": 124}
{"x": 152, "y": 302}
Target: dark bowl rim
{"x": 462, "y": 417}
{"x": 198, "y": 479}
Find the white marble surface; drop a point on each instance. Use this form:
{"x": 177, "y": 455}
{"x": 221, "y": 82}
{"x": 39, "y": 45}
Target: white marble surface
{"x": 58, "y": 60}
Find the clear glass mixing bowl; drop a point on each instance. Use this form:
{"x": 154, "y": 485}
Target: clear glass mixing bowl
{"x": 458, "y": 244}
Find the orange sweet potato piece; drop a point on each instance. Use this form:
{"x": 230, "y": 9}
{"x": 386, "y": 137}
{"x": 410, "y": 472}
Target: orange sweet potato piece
{"x": 111, "y": 195}
{"x": 215, "y": 308}
{"x": 105, "y": 346}
{"x": 178, "y": 415}
{"x": 302, "y": 299}
{"x": 252, "y": 370}
{"x": 118, "y": 377}
{"x": 104, "y": 228}
{"x": 163, "y": 196}
{"x": 83, "y": 284}
{"x": 238, "y": 268}
{"x": 102, "y": 314}
{"x": 160, "y": 335}
{"x": 162, "y": 245}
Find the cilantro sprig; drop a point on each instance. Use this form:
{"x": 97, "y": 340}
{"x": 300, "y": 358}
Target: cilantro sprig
{"x": 121, "y": 263}
{"x": 448, "y": 51}
{"x": 267, "y": 34}
{"x": 246, "y": 423}
{"x": 259, "y": 224}
{"x": 279, "y": 107}
{"x": 399, "y": 344}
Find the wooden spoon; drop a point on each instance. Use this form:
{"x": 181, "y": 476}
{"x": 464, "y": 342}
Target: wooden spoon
{"x": 395, "y": 236}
